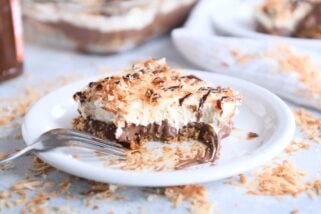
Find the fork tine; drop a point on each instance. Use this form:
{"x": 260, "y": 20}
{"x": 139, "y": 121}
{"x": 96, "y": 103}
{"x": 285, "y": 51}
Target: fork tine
{"x": 92, "y": 141}
{"x": 106, "y": 142}
{"x": 106, "y": 151}
{"x": 96, "y": 145}
{"x": 86, "y": 140}
{"x": 84, "y": 135}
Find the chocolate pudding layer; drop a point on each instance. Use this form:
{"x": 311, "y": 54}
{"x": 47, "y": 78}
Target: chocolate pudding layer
{"x": 133, "y": 136}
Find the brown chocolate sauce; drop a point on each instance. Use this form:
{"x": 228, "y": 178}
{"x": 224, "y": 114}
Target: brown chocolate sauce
{"x": 181, "y": 100}
{"x": 191, "y": 77}
{"x": 172, "y": 88}
{"x": 251, "y": 135}
{"x": 200, "y": 105}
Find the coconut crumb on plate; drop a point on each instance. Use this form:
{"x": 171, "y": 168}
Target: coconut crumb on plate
{"x": 39, "y": 167}
{"x": 295, "y": 146}
{"x": 195, "y": 194}
{"x": 251, "y": 135}
{"x": 100, "y": 191}
{"x": 159, "y": 157}
{"x": 289, "y": 62}
{"x": 284, "y": 179}
{"x": 309, "y": 124}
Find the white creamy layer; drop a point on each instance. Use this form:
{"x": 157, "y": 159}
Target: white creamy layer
{"x": 135, "y": 19}
{"x": 282, "y": 21}
{"x": 177, "y": 116}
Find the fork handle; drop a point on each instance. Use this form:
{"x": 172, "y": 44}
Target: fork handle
{"x": 16, "y": 154}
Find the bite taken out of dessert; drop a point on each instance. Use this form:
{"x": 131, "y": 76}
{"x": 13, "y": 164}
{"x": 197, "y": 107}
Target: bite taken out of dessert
{"x": 292, "y": 18}
{"x": 150, "y": 101}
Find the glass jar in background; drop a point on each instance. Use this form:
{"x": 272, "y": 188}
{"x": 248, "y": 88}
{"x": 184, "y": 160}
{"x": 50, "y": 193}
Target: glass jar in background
{"x": 11, "y": 52}
{"x": 101, "y": 26}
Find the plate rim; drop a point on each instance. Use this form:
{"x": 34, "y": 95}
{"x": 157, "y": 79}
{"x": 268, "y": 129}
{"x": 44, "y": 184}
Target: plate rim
{"x": 182, "y": 177}
{"x": 236, "y": 30}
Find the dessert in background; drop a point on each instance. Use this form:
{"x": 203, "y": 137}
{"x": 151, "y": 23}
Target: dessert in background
{"x": 151, "y": 101}
{"x": 294, "y": 18}
{"x": 101, "y": 26}
{"x": 310, "y": 26}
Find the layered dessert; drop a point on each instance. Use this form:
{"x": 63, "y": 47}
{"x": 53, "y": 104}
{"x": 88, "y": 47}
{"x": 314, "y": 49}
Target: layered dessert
{"x": 310, "y": 26}
{"x": 151, "y": 101}
{"x": 101, "y": 26}
{"x": 289, "y": 18}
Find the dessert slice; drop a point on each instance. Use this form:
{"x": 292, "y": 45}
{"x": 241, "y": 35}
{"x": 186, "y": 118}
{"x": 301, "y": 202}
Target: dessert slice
{"x": 281, "y": 17}
{"x": 150, "y": 101}
{"x": 310, "y": 26}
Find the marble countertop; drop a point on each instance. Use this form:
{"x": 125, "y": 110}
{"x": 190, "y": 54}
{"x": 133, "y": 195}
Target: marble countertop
{"x": 43, "y": 64}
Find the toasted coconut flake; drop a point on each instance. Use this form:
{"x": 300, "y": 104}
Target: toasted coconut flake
{"x": 295, "y": 146}
{"x": 309, "y": 124}
{"x": 290, "y": 62}
{"x": 242, "y": 179}
{"x": 196, "y": 194}
{"x": 27, "y": 185}
{"x": 6, "y": 166}
{"x": 65, "y": 185}
{"x": 301, "y": 65}
{"x": 100, "y": 191}
{"x": 284, "y": 179}
{"x": 39, "y": 167}
{"x": 166, "y": 158}
{"x": 34, "y": 205}
{"x": 13, "y": 109}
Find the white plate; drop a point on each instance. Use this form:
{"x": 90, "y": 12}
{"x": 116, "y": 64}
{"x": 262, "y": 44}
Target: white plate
{"x": 241, "y": 23}
{"x": 262, "y": 112}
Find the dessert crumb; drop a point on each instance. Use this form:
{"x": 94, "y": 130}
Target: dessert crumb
{"x": 195, "y": 194}
{"x": 295, "y": 146}
{"x": 242, "y": 179}
{"x": 251, "y": 135}
{"x": 283, "y": 179}
{"x": 3, "y": 155}
{"x": 309, "y": 124}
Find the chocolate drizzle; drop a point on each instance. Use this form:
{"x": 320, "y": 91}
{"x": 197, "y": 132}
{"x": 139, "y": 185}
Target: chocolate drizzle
{"x": 191, "y": 77}
{"x": 200, "y": 105}
{"x": 181, "y": 100}
{"x": 172, "y": 88}
{"x": 203, "y": 99}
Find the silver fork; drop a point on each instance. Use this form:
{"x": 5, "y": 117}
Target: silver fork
{"x": 66, "y": 137}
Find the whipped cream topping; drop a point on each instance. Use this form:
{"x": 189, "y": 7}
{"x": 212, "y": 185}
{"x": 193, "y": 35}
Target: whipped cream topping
{"x": 150, "y": 93}
{"x": 135, "y": 18}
